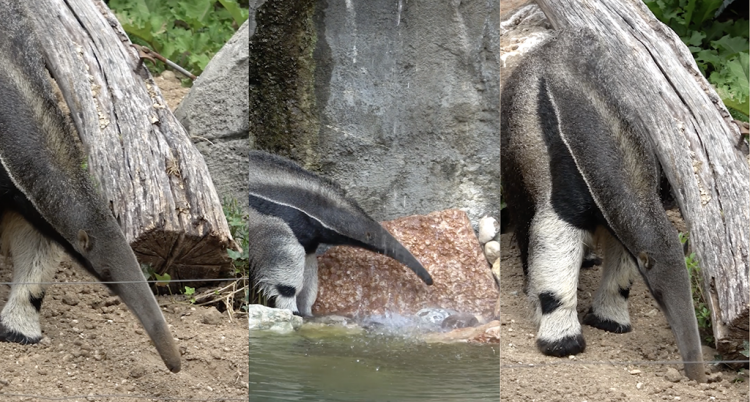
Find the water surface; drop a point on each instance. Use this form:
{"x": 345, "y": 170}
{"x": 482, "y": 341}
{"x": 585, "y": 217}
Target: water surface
{"x": 330, "y": 365}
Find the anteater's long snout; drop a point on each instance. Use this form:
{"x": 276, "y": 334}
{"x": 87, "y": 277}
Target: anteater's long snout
{"x": 115, "y": 262}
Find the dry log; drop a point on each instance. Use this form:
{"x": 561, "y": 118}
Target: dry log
{"x": 155, "y": 180}
{"x": 695, "y": 143}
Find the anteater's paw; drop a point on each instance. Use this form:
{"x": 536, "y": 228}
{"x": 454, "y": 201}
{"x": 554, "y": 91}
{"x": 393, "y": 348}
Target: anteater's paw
{"x": 569, "y": 345}
{"x": 605, "y": 324}
{"x": 9, "y": 335}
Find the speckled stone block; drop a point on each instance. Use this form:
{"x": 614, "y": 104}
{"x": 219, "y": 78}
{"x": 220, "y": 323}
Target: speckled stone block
{"x": 358, "y": 283}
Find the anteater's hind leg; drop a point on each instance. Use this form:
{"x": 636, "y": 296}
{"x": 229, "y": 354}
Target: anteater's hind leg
{"x": 609, "y": 310}
{"x": 556, "y": 250}
{"x": 306, "y": 297}
{"x": 35, "y": 260}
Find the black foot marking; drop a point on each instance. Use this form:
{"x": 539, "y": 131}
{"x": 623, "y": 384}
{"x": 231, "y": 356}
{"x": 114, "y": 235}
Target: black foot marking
{"x": 36, "y": 302}
{"x": 7, "y": 335}
{"x": 286, "y": 291}
{"x": 549, "y": 302}
{"x": 608, "y": 325}
{"x": 591, "y": 260}
{"x": 570, "y": 345}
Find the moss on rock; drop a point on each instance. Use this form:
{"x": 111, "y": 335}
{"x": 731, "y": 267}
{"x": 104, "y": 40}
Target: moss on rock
{"x": 283, "y": 114}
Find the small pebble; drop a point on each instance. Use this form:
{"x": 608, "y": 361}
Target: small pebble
{"x": 488, "y": 228}
{"x": 492, "y": 250}
{"x": 168, "y": 75}
{"x": 714, "y": 377}
{"x": 70, "y": 299}
{"x": 112, "y": 301}
{"x": 673, "y": 375}
{"x": 212, "y": 316}
{"x": 137, "y": 372}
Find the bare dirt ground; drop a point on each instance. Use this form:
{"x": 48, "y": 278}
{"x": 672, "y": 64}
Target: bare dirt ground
{"x": 602, "y": 372}
{"x": 94, "y": 349}
{"x": 171, "y": 89}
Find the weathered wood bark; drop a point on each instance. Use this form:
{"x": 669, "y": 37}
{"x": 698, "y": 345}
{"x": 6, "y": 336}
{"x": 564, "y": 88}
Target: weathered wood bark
{"x": 695, "y": 143}
{"x": 155, "y": 180}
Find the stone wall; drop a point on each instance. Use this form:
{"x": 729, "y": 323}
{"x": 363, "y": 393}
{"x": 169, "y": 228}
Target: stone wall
{"x": 397, "y": 101}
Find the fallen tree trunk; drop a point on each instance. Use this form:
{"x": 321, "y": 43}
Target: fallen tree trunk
{"x": 155, "y": 180}
{"x": 695, "y": 143}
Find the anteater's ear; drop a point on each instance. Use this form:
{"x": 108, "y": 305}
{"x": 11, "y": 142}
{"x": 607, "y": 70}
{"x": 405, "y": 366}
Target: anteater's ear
{"x": 84, "y": 241}
{"x": 645, "y": 263}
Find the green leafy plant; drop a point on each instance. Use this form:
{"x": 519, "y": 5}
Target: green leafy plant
{"x": 162, "y": 281}
{"x": 238, "y": 227}
{"x": 188, "y": 33}
{"x": 740, "y": 376}
{"x": 189, "y": 292}
{"x": 720, "y": 48}
{"x": 702, "y": 313}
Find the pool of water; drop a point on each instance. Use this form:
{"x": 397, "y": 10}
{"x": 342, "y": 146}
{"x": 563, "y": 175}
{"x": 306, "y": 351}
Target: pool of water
{"x": 328, "y": 364}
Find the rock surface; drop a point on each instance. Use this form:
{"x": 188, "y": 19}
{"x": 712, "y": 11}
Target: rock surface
{"x": 487, "y": 333}
{"x": 260, "y": 317}
{"x": 358, "y": 283}
{"x": 409, "y": 103}
{"x": 401, "y": 108}
{"x": 215, "y": 114}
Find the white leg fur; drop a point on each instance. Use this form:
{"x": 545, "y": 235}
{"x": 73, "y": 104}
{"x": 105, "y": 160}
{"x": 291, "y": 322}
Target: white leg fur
{"x": 35, "y": 259}
{"x": 555, "y": 253}
{"x": 619, "y": 271}
{"x": 284, "y": 268}
{"x": 306, "y": 297}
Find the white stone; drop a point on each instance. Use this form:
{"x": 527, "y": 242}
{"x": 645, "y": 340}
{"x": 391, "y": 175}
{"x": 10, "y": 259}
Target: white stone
{"x": 488, "y": 228}
{"x": 433, "y": 316}
{"x": 264, "y": 318}
{"x": 492, "y": 250}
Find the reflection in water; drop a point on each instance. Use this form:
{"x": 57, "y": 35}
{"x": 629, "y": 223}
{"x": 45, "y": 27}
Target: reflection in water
{"x": 325, "y": 365}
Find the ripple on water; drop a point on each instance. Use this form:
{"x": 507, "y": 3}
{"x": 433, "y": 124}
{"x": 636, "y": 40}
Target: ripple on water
{"x": 332, "y": 365}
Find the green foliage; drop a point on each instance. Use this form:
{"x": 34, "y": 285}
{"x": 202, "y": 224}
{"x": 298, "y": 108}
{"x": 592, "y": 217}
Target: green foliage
{"x": 188, "y": 33}
{"x": 162, "y": 281}
{"x": 745, "y": 349}
{"x": 740, "y": 376}
{"x": 238, "y": 227}
{"x": 189, "y": 292}
{"x": 702, "y": 313}
{"x": 720, "y": 48}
